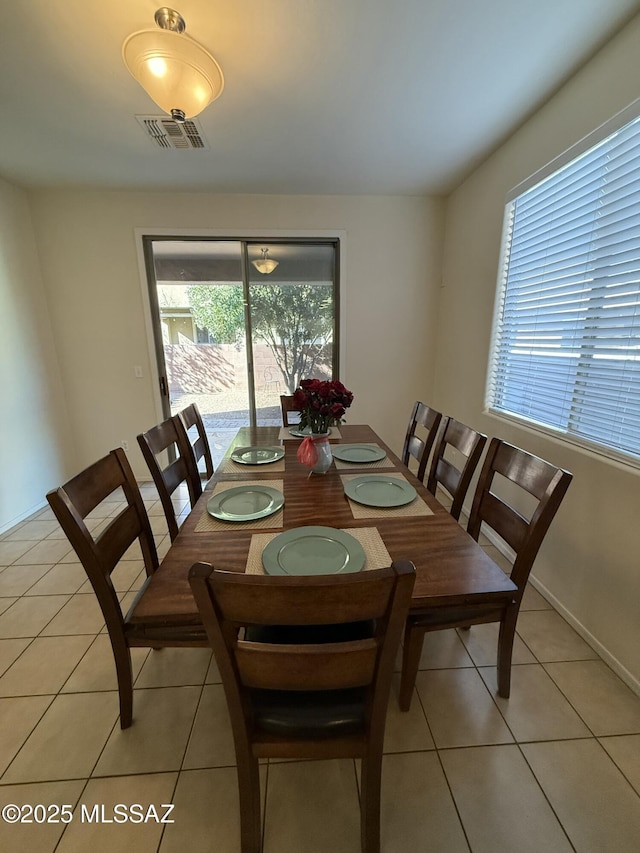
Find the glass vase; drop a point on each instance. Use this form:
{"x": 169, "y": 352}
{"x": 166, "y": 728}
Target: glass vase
{"x": 325, "y": 456}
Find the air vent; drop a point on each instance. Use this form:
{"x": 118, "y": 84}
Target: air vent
{"x": 164, "y": 132}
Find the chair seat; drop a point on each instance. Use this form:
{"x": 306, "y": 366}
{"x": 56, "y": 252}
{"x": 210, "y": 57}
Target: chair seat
{"x": 314, "y": 713}
{"x": 309, "y": 714}
{"x": 461, "y": 616}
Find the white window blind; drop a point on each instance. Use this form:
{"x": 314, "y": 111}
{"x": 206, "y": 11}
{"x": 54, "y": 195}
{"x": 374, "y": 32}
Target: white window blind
{"x": 566, "y": 347}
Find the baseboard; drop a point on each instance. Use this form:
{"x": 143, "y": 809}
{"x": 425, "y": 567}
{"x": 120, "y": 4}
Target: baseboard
{"x": 629, "y": 679}
{"x": 22, "y": 517}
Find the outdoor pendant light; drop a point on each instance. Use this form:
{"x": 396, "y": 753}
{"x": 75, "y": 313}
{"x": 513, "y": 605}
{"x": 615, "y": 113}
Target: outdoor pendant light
{"x": 265, "y": 264}
{"x": 177, "y": 72}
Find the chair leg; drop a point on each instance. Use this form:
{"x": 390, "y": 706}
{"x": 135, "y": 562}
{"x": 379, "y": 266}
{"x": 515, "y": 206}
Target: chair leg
{"x": 249, "y": 791}
{"x": 413, "y": 637}
{"x": 122, "y": 658}
{"x": 370, "y": 780}
{"x": 505, "y": 649}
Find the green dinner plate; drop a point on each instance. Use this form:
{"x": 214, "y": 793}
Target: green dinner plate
{"x": 303, "y": 433}
{"x": 313, "y": 551}
{"x": 257, "y": 455}
{"x": 358, "y": 453}
{"x": 380, "y": 490}
{"x": 245, "y": 503}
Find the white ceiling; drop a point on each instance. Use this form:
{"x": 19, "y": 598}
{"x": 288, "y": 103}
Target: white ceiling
{"x": 321, "y": 96}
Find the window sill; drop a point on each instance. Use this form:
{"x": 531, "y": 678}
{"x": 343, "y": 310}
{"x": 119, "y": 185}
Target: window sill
{"x": 629, "y": 464}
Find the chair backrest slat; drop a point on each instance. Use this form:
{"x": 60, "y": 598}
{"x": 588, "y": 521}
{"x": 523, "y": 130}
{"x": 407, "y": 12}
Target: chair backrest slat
{"x": 173, "y": 475}
{"x": 332, "y": 666}
{"x": 529, "y": 472}
{"x": 447, "y": 475}
{"x": 116, "y": 538}
{"x": 507, "y": 523}
{"x": 88, "y": 489}
{"x": 290, "y": 602}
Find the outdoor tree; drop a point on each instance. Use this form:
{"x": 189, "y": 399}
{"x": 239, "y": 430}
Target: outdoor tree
{"x": 219, "y": 309}
{"x": 294, "y": 320}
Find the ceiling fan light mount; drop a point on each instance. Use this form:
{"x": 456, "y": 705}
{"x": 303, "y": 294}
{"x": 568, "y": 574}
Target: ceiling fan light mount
{"x": 177, "y": 72}
{"x": 169, "y": 19}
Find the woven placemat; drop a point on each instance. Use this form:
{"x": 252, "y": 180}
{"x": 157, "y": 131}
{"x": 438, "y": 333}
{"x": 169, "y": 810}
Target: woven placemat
{"x": 376, "y": 554}
{"x": 416, "y": 507}
{"x": 380, "y": 463}
{"x": 208, "y": 524}
{"x": 334, "y": 432}
{"x": 233, "y": 467}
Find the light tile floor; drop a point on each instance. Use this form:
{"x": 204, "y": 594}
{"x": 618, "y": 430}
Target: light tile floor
{"x": 554, "y": 768}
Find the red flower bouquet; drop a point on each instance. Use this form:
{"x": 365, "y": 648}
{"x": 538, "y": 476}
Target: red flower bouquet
{"x": 321, "y": 404}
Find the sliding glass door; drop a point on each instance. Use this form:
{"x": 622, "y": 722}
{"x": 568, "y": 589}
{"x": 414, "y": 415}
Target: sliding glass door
{"x": 292, "y": 320}
{"x": 237, "y": 323}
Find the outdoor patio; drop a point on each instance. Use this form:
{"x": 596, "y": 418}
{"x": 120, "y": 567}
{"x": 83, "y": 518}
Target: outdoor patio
{"x": 224, "y": 412}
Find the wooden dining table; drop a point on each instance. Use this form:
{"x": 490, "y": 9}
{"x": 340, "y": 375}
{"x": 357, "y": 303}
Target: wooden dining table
{"x": 452, "y": 570}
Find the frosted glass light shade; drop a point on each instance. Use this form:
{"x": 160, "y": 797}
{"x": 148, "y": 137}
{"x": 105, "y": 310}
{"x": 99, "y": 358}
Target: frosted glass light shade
{"x": 175, "y": 71}
{"x": 265, "y": 267}
{"x": 265, "y": 264}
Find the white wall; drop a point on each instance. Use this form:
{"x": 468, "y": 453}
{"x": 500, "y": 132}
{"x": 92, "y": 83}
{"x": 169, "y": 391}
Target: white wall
{"x": 34, "y": 448}
{"x": 88, "y": 247}
{"x": 590, "y": 560}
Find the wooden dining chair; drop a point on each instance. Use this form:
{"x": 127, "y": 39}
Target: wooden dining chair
{"x": 286, "y": 405}
{"x": 170, "y": 461}
{"x": 414, "y": 446}
{"x": 190, "y": 419}
{"x": 455, "y": 459}
{"x": 71, "y": 504}
{"x": 547, "y": 485}
{"x": 310, "y": 677}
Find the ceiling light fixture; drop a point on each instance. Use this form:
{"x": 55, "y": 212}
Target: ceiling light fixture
{"x": 177, "y": 72}
{"x": 265, "y": 264}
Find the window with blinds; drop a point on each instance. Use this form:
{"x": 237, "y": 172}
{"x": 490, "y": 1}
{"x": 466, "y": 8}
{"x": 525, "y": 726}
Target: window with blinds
{"x": 566, "y": 347}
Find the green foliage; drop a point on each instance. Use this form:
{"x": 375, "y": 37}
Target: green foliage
{"x": 219, "y": 309}
{"x": 294, "y": 320}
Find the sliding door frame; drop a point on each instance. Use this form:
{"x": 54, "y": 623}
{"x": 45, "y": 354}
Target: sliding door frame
{"x": 146, "y": 236}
